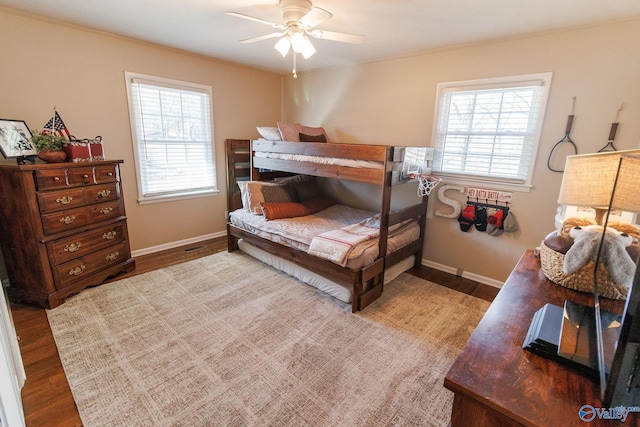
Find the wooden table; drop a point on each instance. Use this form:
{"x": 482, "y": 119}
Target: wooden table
{"x": 497, "y": 383}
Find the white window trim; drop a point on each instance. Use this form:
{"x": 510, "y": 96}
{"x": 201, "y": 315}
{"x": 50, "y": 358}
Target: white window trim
{"x": 544, "y": 79}
{"x": 129, "y": 78}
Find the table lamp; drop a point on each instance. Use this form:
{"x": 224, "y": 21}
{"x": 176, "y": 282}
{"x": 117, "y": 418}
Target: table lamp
{"x": 589, "y": 179}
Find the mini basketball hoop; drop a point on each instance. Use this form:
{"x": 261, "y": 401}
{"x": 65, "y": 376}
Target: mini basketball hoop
{"x": 426, "y": 183}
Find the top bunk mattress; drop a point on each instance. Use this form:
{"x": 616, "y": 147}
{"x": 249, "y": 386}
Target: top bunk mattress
{"x": 322, "y": 160}
{"x": 299, "y": 232}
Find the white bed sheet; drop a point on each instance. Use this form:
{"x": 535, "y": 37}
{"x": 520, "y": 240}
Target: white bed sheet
{"x": 298, "y": 232}
{"x": 336, "y": 290}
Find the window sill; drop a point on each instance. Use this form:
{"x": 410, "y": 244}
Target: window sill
{"x": 175, "y": 197}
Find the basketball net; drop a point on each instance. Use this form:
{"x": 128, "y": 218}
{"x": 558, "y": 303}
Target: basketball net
{"x": 426, "y": 183}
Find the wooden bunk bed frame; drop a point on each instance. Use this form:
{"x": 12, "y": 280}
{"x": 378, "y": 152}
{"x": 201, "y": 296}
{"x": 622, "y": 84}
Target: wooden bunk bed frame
{"x": 367, "y": 282}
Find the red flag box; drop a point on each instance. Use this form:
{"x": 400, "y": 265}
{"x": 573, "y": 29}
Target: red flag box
{"x": 77, "y": 151}
{"x": 95, "y": 149}
{"x": 83, "y": 150}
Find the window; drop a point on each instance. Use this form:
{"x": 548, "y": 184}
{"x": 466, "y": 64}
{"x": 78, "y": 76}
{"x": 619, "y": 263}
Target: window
{"x": 489, "y": 129}
{"x": 172, "y": 135}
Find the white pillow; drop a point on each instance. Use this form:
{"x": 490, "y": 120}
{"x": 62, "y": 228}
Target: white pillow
{"x": 244, "y": 194}
{"x": 269, "y": 133}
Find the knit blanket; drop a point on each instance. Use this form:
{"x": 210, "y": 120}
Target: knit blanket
{"x": 337, "y": 245}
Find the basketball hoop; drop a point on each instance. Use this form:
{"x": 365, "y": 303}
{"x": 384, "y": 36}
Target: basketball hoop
{"x": 426, "y": 183}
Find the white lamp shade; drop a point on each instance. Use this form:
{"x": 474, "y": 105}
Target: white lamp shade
{"x": 301, "y": 44}
{"x": 589, "y": 179}
{"x": 283, "y": 46}
{"x": 627, "y": 191}
{"x": 297, "y": 41}
{"x": 307, "y": 49}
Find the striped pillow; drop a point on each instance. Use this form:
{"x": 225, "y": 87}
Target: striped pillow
{"x": 283, "y": 210}
{"x": 294, "y": 210}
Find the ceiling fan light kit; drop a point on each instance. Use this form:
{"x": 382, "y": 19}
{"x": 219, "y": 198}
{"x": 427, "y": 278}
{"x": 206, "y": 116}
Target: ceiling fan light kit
{"x": 299, "y": 17}
{"x": 283, "y": 45}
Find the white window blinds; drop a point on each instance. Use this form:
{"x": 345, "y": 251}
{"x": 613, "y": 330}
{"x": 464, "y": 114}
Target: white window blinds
{"x": 172, "y": 131}
{"x": 490, "y": 130}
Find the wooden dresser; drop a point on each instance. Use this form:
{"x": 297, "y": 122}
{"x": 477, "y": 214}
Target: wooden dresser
{"x": 63, "y": 228}
{"x": 497, "y": 383}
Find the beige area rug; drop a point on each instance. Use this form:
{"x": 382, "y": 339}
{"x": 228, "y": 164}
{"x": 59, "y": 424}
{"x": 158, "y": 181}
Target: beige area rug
{"x": 228, "y": 341}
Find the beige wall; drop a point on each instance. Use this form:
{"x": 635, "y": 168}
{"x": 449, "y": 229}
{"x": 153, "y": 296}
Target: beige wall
{"x": 392, "y": 102}
{"x": 81, "y": 72}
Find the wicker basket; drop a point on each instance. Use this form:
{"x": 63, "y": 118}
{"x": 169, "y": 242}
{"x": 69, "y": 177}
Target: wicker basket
{"x": 552, "y": 266}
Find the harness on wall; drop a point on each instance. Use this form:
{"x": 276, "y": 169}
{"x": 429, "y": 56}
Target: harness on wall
{"x": 565, "y": 140}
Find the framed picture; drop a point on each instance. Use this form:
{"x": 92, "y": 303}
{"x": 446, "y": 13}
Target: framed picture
{"x": 15, "y": 139}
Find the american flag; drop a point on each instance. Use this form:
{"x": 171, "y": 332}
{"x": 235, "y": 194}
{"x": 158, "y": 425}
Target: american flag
{"x": 56, "y": 126}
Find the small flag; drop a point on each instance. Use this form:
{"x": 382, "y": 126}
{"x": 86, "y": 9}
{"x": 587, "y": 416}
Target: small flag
{"x": 56, "y": 126}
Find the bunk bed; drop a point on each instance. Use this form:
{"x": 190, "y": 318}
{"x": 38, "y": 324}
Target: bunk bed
{"x": 393, "y": 253}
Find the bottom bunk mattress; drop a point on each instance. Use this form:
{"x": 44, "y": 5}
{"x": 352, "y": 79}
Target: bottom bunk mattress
{"x": 336, "y": 290}
{"x": 307, "y": 232}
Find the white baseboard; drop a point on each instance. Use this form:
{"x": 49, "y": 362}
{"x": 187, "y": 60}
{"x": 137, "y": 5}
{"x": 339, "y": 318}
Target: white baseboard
{"x": 471, "y": 276}
{"x": 171, "y": 245}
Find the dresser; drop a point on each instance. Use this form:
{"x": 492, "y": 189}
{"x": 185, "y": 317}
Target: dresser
{"x": 497, "y": 383}
{"x": 63, "y": 228}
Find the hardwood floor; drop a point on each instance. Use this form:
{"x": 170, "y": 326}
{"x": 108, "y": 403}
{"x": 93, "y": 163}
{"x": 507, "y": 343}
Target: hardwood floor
{"x": 46, "y": 395}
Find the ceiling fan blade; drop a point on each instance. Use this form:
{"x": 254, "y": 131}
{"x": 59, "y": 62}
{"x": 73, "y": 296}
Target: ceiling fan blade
{"x": 338, "y": 37}
{"x": 253, "y": 18}
{"x": 315, "y": 16}
{"x": 265, "y": 37}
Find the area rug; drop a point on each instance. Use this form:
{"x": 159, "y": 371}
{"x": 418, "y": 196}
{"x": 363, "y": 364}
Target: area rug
{"x": 228, "y": 341}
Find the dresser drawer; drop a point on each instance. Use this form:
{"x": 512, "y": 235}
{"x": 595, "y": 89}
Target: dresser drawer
{"x": 80, "y": 176}
{"x": 69, "y": 219}
{"x": 51, "y": 179}
{"x": 65, "y": 220}
{"x": 102, "y": 193}
{"x": 104, "y": 211}
{"x": 73, "y": 271}
{"x": 106, "y": 173}
{"x": 58, "y": 200}
{"x": 64, "y": 250}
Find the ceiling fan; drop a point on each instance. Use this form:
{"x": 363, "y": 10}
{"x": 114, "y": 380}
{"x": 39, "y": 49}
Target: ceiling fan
{"x": 299, "y": 20}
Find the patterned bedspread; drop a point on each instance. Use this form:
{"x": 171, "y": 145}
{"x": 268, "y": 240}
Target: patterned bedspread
{"x": 299, "y": 232}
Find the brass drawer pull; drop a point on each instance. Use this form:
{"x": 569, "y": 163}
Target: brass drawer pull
{"x": 106, "y": 211}
{"x": 68, "y": 219}
{"x": 55, "y": 178}
{"x": 77, "y": 271}
{"x": 109, "y": 235}
{"x": 113, "y": 256}
{"x": 104, "y": 193}
{"x": 72, "y": 247}
{"x": 65, "y": 200}
{"x": 85, "y": 176}
{"x": 110, "y": 174}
